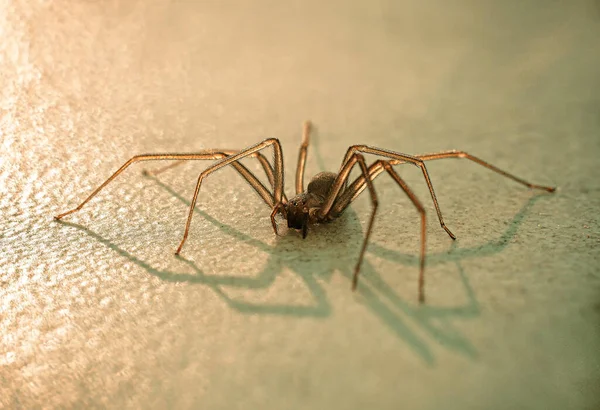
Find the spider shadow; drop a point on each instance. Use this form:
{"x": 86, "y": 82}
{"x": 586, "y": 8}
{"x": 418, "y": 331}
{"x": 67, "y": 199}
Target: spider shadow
{"x": 373, "y": 291}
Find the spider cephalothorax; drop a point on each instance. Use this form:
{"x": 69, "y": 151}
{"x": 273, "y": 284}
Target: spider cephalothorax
{"x": 327, "y": 195}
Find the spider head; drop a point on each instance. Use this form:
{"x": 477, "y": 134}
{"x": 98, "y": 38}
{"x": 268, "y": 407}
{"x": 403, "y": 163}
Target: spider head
{"x": 297, "y": 213}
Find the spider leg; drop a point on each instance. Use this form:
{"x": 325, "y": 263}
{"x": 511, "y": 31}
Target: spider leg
{"x": 374, "y": 203}
{"x": 350, "y": 193}
{"x": 277, "y": 199}
{"x": 261, "y": 158}
{"x": 361, "y": 183}
{"x": 421, "y": 210}
{"x": 376, "y": 168}
{"x": 206, "y": 155}
{"x": 462, "y": 154}
{"x": 399, "y": 158}
{"x": 340, "y": 182}
{"x": 302, "y": 157}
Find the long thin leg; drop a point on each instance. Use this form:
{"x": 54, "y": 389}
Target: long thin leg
{"x": 398, "y": 158}
{"x": 462, "y": 154}
{"x": 278, "y": 181}
{"x": 339, "y": 182}
{"x": 302, "y": 157}
{"x": 368, "y": 175}
{"x": 393, "y": 155}
{"x": 252, "y": 180}
{"x": 421, "y": 210}
{"x": 376, "y": 168}
{"x": 374, "y": 203}
{"x": 349, "y": 194}
{"x": 261, "y": 158}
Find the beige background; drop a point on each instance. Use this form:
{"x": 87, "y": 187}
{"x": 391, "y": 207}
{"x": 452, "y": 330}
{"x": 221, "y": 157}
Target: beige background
{"x": 98, "y": 312}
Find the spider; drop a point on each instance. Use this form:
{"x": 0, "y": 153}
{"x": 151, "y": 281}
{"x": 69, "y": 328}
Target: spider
{"x": 327, "y": 195}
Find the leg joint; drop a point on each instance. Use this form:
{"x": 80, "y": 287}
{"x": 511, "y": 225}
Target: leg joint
{"x": 355, "y": 148}
{"x": 359, "y": 156}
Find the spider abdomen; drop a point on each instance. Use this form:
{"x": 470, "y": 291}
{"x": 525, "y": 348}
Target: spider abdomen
{"x": 321, "y": 183}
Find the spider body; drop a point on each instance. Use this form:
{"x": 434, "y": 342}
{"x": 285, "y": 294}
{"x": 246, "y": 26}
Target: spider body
{"x": 328, "y": 194}
{"x": 302, "y": 210}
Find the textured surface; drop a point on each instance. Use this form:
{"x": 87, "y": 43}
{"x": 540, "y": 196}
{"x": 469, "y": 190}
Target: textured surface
{"x": 96, "y": 311}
